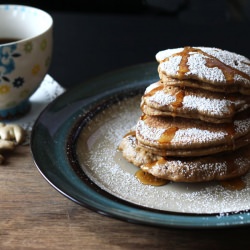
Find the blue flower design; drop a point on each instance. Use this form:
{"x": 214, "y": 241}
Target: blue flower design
{"x": 7, "y": 55}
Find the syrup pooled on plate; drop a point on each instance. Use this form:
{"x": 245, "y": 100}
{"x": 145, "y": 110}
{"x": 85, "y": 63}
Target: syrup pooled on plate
{"x": 149, "y": 179}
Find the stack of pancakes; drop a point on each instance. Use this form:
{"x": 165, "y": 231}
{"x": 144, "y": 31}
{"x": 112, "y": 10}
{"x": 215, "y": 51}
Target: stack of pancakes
{"x": 195, "y": 123}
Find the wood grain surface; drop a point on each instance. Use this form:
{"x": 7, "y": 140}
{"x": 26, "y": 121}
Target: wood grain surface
{"x": 33, "y": 215}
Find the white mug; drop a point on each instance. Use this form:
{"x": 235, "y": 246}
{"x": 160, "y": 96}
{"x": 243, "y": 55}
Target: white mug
{"x": 26, "y": 41}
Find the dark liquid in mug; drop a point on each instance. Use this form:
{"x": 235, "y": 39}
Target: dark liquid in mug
{"x": 8, "y": 40}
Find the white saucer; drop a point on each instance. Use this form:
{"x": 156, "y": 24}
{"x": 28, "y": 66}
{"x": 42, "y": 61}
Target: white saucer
{"x": 45, "y": 94}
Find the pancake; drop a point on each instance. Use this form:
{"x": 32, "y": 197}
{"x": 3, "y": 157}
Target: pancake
{"x": 191, "y": 169}
{"x": 195, "y": 122}
{"x": 169, "y": 136}
{"x": 230, "y": 88}
{"x": 214, "y": 68}
{"x": 192, "y": 103}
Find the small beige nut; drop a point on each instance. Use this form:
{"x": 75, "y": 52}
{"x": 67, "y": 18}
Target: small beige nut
{"x": 10, "y": 136}
{"x": 12, "y": 132}
{"x": 6, "y": 145}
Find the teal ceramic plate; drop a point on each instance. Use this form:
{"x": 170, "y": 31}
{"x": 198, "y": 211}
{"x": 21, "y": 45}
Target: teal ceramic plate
{"x": 74, "y": 144}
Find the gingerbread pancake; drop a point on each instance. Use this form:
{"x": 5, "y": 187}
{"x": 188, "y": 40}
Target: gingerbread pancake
{"x": 168, "y": 136}
{"x": 191, "y": 169}
{"x": 192, "y": 103}
{"x": 195, "y": 122}
{"x": 208, "y": 68}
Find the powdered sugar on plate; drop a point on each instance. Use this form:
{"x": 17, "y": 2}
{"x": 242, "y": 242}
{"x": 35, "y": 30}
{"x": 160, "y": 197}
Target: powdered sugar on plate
{"x": 105, "y": 166}
{"x": 49, "y": 90}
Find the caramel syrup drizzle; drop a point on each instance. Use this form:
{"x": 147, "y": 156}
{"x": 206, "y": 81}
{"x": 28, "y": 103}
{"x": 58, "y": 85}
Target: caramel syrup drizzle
{"x": 149, "y": 179}
{"x": 145, "y": 178}
{"x": 130, "y": 133}
{"x": 154, "y": 90}
{"x": 178, "y": 100}
{"x": 230, "y": 129}
{"x": 168, "y": 135}
{"x": 211, "y": 62}
{"x": 162, "y": 161}
{"x": 178, "y": 97}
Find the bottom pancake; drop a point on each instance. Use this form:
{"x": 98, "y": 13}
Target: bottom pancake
{"x": 190, "y": 169}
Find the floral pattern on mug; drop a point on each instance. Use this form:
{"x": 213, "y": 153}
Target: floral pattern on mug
{"x": 23, "y": 56}
{"x": 18, "y": 82}
{"x": 28, "y": 47}
{"x": 43, "y": 44}
{"x": 4, "y": 89}
{"x": 36, "y": 69}
{"x": 7, "y": 62}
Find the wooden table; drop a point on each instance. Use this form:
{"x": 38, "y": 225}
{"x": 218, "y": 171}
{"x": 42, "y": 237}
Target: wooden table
{"x": 33, "y": 215}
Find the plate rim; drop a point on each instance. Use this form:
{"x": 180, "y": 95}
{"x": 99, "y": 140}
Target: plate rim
{"x": 112, "y": 208}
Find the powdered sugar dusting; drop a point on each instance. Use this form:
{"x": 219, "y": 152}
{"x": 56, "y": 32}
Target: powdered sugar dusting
{"x": 162, "y": 98}
{"x": 97, "y": 151}
{"x": 190, "y": 168}
{"x": 193, "y": 135}
{"x": 149, "y": 133}
{"x": 182, "y": 137}
{"x": 232, "y": 59}
{"x": 217, "y": 107}
{"x": 171, "y": 66}
{"x": 242, "y": 126}
{"x": 197, "y": 67}
{"x": 239, "y": 78}
{"x": 213, "y": 107}
{"x": 187, "y": 168}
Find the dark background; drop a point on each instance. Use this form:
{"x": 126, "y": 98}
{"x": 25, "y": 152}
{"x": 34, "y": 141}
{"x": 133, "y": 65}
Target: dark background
{"x": 92, "y": 37}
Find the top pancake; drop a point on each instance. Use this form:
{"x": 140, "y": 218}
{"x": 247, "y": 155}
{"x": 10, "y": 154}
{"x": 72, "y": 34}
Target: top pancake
{"x": 215, "y": 69}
